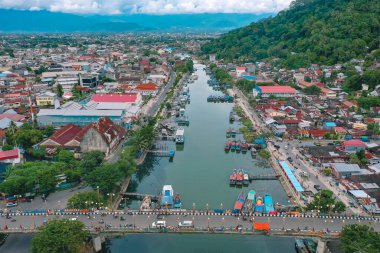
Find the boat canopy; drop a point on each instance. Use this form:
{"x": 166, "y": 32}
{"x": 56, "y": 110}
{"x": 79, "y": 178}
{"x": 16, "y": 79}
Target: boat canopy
{"x": 167, "y": 190}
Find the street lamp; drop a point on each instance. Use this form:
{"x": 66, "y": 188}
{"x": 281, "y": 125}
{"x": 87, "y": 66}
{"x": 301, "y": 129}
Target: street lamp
{"x": 98, "y": 193}
{"x": 193, "y": 208}
{"x": 208, "y": 223}
{"x": 223, "y": 222}
{"x": 207, "y": 207}
{"x": 110, "y": 195}
{"x": 221, "y": 206}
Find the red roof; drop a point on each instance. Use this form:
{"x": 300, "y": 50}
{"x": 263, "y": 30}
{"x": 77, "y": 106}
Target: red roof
{"x": 277, "y": 89}
{"x": 9, "y": 154}
{"x": 318, "y": 132}
{"x": 354, "y": 143}
{"x": 147, "y": 86}
{"x": 291, "y": 121}
{"x": 13, "y": 117}
{"x": 340, "y": 129}
{"x": 115, "y": 98}
{"x": 66, "y": 134}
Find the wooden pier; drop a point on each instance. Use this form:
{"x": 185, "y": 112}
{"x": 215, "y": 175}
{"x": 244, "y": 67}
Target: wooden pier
{"x": 162, "y": 153}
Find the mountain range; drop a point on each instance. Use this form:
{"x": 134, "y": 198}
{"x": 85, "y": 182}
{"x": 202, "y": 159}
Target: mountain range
{"x": 309, "y": 31}
{"x": 45, "y": 21}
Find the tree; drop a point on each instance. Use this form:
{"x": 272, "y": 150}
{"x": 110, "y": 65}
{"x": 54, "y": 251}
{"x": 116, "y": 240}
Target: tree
{"x": 312, "y": 90}
{"x": 59, "y": 90}
{"x": 360, "y": 238}
{"x": 264, "y": 154}
{"x": 354, "y": 158}
{"x": 7, "y": 147}
{"x": 106, "y": 177}
{"x": 324, "y": 202}
{"x": 91, "y": 160}
{"x": 86, "y": 200}
{"x": 60, "y": 236}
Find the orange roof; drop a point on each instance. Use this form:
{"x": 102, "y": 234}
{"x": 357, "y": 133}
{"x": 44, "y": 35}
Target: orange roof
{"x": 147, "y": 86}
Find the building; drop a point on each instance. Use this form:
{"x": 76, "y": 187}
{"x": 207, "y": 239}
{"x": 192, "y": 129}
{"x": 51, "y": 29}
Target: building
{"x": 147, "y": 89}
{"x": 46, "y": 99}
{"x": 88, "y": 80}
{"x": 130, "y": 98}
{"x": 240, "y": 71}
{"x": 344, "y": 170}
{"x": 329, "y": 125}
{"x": 276, "y": 91}
{"x": 353, "y": 146}
{"x": 103, "y": 135}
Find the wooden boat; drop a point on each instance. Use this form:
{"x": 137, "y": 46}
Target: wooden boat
{"x": 239, "y": 178}
{"x": 227, "y": 147}
{"x": 250, "y": 201}
{"x": 238, "y": 146}
{"x": 233, "y": 178}
{"x": 244, "y": 147}
{"x": 239, "y": 203}
{"x": 245, "y": 179}
{"x": 259, "y": 207}
{"x": 233, "y": 146}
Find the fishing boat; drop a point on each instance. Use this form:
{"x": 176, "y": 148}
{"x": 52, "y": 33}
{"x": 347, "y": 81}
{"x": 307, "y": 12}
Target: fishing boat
{"x": 232, "y": 116}
{"x": 167, "y": 196}
{"x": 244, "y": 147}
{"x": 230, "y": 132}
{"x": 227, "y": 147}
{"x": 253, "y": 152}
{"x": 268, "y": 204}
{"x": 177, "y": 202}
{"x": 233, "y": 146}
{"x": 183, "y": 120}
{"x": 238, "y": 146}
{"x": 233, "y": 178}
{"x": 239, "y": 203}
{"x": 239, "y": 178}
{"x": 180, "y": 136}
{"x": 245, "y": 179}
{"x": 250, "y": 201}
{"x": 259, "y": 205}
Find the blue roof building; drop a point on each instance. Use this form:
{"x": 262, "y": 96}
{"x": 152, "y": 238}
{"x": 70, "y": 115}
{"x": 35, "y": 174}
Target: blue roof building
{"x": 329, "y": 125}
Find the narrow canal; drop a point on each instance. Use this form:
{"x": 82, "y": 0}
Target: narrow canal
{"x": 201, "y": 168}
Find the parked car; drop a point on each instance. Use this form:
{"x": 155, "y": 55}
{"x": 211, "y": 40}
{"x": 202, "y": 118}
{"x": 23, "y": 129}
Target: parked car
{"x": 186, "y": 224}
{"x": 159, "y": 224}
{"x": 11, "y": 204}
{"x": 317, "y": 187}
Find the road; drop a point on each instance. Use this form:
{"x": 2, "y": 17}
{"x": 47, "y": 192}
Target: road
{"x": 200, "y": 220}
{"x": 19, "y": 243}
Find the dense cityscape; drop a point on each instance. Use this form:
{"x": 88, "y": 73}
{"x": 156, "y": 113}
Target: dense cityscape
{"x": 113, "y": 140}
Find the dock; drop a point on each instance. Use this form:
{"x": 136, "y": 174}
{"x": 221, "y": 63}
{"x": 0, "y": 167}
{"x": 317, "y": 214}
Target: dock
{"x": 162, "y": 153}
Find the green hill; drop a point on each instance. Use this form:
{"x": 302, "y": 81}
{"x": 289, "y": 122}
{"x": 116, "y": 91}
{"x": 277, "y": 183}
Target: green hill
{"x": 310, "y": 31}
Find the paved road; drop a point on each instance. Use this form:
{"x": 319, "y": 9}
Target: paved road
{"x": 56, "y": 200}
{"x": 17, "y": 243}
{"x": 200, "y": 221}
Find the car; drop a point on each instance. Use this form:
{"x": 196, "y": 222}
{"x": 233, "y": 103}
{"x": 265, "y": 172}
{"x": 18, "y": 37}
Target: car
{"x": 330, "y": 144}
{"x": 159, "y": 224}
{"x": 160, "y": 216}
{"x": 73, "y": 218}
{"x": 286, "y": 147}
{"x": 290, "y": 159}
{"x": 11, "y": 204}
{"x": 317, "y": 187}
{"x": 186, "y": 224}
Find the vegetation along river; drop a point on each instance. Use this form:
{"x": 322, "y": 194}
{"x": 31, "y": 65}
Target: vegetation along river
{"x": 201, "y": 168}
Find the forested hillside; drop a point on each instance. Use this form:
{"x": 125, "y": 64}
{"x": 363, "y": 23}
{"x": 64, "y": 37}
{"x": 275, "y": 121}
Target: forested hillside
{"x": 310, "y": 31}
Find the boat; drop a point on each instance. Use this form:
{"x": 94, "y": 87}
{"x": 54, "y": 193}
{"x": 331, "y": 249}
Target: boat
{"x": 300, "y": 246}
{"x": 177, "y": 202}
{"x": 227, "y": 147}
{"x": 146, "y": 203}
{"x": 180, "y": 136}
{"x": 182, "y": 112}
{"x": 239, "y": 178}
{"x": 245, "y": 179}
{"x": 244, "y": 147}
{"x": 167, "y": 196}
{"x": 259, "y": 205}
{"x": 232, "y": 116}
{"x": 233, "y": 178}
{"x": 233, "y": 146}
{"x": 238, "y": 146}
{"x": 268, "y": 204}
{"x": 183, "y": 120}
{"x": 253, "y": 152}
{"x": 230, "y": 132}
{"x": 239, "y": 203}
{"x": 250, "y": 201}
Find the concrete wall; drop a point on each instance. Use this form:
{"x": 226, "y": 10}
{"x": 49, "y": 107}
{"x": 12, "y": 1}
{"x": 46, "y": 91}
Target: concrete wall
{"x": 92, "y": 140}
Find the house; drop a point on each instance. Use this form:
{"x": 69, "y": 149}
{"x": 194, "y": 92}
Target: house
{"x": 329, "y": 125}
{"x": 240, "y": 71}
{"x": 131, "y": 98}
{"x": 46, "y": 99}
{"x": 147, "y": 89}
{"x": 344, "y": 170}
{"x": 103, "y": 135}
{"x": 276, "y": 91}
{"x": 10, "y": 156}
{"x": 87, "y": 80}
{"x": 353, "y": 146}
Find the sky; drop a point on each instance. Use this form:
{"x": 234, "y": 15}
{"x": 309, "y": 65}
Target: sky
{"x": 114, "y": 7}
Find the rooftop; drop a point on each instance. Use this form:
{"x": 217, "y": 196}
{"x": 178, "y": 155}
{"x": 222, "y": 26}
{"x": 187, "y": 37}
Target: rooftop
{"x": 277, "y": 89}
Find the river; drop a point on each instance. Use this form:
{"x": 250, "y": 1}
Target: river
{"x": 201, "y": 168}
{"x": 197, "y": 243}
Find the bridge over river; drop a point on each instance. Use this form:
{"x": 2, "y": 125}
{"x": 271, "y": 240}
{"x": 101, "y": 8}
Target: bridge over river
{"x": 204, "y": 221}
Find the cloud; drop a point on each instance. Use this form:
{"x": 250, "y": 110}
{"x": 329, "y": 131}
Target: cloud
{"x": 111, "y": 7}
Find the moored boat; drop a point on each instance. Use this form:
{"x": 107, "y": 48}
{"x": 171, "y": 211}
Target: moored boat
{"x": 167, "y": 196}
{"x": 177, "y": 202}
{"x": 259, "y": 206}
{"x": 238, "y": 146}
{"x": 227, "y": 147}
{"x": 244, "y": 147}
{"x": 233, "y": 178}
{"x": 250, "y": 201}
{"x": 146, "y": 203}
{"x": 268, "y": 204}
{"x": 233, "y": 146}
{"x": 245, "y": 179}
{"x": 239, "y": 203}
{"x": 239, "y": 178}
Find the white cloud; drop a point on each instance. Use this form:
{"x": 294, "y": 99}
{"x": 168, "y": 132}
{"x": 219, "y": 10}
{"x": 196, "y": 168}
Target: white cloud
{"x": 148, "y": 6}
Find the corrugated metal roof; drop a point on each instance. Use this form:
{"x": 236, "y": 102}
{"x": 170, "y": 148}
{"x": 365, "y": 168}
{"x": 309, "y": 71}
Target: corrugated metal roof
{"x": 291, "y": 176}
{"x": 79, "y": 113}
